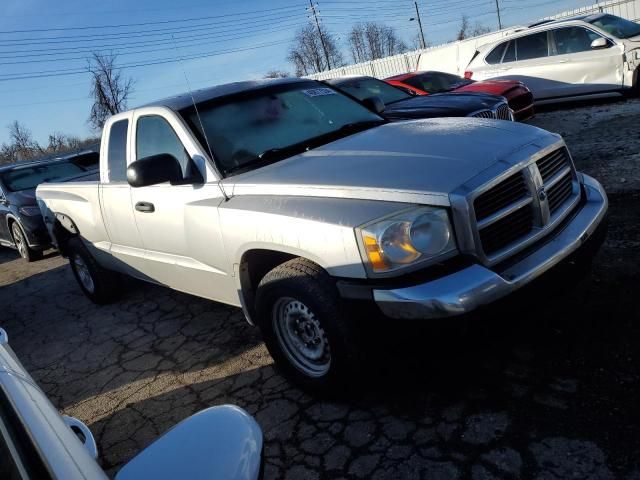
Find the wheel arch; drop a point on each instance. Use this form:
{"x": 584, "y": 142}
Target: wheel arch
{"x": 64, "y": 228}
{"x": 254, "y": 265}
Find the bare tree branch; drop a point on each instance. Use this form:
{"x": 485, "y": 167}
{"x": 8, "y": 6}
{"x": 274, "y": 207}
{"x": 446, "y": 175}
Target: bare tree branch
{"x": 307, "y": 54}
{"x": 109, "y": 89}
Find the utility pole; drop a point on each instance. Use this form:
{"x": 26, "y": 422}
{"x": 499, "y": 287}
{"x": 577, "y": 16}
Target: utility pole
{"x": 422, "y": 42}
{"x": 324, "y": 46}
{"x": 498, "y": 10}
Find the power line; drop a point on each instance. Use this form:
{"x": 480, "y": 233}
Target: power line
{"x": 212, "y": 38}
{"x": 66, "y": 72}
{"x": 159, "y": 22}
{"x": 138, "y": 34}
{"x": 128, "y": 45}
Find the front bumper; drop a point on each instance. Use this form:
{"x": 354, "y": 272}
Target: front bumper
{"x": 474, "y": 286}
{"x": 35, "y": 231}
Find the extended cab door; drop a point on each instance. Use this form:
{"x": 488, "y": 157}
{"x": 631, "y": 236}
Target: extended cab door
{"x": 125, "y": 245}
{"x": 581, "y": 69}
{"x": 179, "y": 224}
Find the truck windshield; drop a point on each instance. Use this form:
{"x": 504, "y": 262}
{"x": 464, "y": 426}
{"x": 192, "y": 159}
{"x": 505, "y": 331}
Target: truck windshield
{"x": 616, "y": 26}
{"x": 261, "y": 126}
{"x": 363, "y": 88}
{"x": 28, "y": 178}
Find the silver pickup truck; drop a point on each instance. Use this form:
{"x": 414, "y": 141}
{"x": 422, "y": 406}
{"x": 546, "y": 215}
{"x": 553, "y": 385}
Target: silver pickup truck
{"x": 297, "y": 203}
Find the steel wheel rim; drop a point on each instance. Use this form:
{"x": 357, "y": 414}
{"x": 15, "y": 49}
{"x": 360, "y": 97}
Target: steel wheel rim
{"x": 19, "y": 241}
{"x": 83, "y": 273}
{"x": 301, "y": 337}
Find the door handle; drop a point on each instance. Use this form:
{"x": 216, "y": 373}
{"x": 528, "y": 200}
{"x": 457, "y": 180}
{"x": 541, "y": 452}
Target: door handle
{"x": 146, "y": 207}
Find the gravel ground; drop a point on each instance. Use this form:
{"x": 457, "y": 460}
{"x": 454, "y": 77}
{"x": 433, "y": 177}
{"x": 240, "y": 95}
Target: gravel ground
{"x": 546, "y": 389}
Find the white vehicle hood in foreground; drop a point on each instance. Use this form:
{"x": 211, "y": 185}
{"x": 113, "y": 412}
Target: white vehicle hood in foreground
{"x": 416, "y": 161}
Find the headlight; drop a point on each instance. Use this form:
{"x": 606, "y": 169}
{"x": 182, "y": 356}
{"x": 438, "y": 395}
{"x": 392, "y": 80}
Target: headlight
{"x": 412, "y": 237}
{"x": 29, "y": 211}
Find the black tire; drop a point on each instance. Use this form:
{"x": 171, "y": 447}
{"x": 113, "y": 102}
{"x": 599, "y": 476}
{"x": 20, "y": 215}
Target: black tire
{"x": 300, "y": 289}
{"x": 104, "y": 285}
{"x": 22, "y": 245}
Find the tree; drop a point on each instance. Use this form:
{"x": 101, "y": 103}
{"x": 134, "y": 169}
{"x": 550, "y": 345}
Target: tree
{"x": 109, "y": 89}
{"x": 22, "y": 144}
{"x": 57, "y": 142}
{"x": 369, "y": 41}
{"x": 307, "y": 52}
{"x": 277, "y": 74}
{"x": 468, "y": 31}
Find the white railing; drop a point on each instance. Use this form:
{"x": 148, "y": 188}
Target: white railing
{"x": 455, "y": 56}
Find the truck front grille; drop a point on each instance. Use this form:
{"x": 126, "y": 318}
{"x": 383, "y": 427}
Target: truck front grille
{"x": 524, "y": 206}
{"x": 505, "y": 193}
{"x": 559, "y": 193}
{"x": 509, "y": 229}
{"x": 553, "y": 163}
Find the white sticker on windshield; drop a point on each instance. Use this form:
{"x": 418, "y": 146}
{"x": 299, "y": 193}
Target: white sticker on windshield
{"x": 318, "y": 92}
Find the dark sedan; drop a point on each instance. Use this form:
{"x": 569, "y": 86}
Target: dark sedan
{"x": 399, "y": 105}
{"x": 21, "y": 225}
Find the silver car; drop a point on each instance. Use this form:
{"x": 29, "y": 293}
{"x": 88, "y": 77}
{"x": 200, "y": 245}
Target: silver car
{"x": 586, "y": 56}
{"x": 36, "y": 442}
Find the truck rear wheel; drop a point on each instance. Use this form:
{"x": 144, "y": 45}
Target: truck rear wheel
{"x": 98, "y": 284}
{"x": 304, "y": 326}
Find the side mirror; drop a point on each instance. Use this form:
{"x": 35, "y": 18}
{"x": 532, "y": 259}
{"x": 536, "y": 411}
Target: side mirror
{"x": 153, "y": 170}
{"x": 375, "y": 104}
{"x": 599, "y": 43}
{"x": 221, "y": 442}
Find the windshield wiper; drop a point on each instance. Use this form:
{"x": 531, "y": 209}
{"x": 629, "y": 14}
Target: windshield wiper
{"x": 358, "y": 126}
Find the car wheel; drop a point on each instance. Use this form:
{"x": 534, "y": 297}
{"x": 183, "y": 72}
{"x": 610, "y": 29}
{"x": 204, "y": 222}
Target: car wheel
{"x": 304, "y": 325}
{"x": 98, "y": 284}
{"x": 20, "y": 241}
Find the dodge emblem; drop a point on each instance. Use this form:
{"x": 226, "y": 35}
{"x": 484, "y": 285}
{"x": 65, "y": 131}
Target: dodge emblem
{"x": 542, "y": 194}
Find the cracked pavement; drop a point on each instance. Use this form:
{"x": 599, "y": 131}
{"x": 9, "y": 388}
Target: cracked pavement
{"x": 544, "y": 386}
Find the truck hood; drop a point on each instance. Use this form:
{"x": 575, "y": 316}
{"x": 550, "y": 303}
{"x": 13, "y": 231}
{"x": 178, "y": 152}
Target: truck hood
{"x": 416, "y": 161}
{"x": 441, "y": 105}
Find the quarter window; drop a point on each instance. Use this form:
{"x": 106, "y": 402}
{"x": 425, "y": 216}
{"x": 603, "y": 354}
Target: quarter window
{"x": 532, "y": 46}
{"x": 154, "y": 136}
{"x": 510, "y": 54}
{"x": 117, "y": 161}
{"x": 573, "y": 39}
{"x": 496, "y": 54}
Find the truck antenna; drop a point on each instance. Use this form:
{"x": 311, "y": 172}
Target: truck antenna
{"x": 204, "y": 133}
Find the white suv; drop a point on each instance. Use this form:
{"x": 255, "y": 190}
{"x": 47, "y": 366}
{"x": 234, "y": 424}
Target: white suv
{"x": 594, "y": 55}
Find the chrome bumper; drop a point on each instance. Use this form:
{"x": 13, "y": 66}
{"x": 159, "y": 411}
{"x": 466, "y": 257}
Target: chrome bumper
{"x": 467, "y": 289}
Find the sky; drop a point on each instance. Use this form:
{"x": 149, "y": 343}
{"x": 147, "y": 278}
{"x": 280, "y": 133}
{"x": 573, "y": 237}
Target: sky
{"x": 45, "y": 44}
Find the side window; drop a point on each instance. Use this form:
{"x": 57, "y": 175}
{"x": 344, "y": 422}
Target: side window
{"x": 117, "y": 160}
{"x": 573, "y": 39}
{"x": 510, "y": 54}
{"x": 532, "y": 46}
{"x": 496, "y": 54}
{"x": 154, "y": 136}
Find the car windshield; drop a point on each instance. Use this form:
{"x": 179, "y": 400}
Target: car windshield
{"x": 28, "y": 178}
{"x": 248, "y": 130}
{"x": 616, "y": 26}
{"x": 437, "y": 82}
{"x": 363, "y": 88}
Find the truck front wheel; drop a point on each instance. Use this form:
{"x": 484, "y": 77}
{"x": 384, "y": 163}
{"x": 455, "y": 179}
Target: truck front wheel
{"x": 304, "y": 325}
{"x": 98, "y": 284}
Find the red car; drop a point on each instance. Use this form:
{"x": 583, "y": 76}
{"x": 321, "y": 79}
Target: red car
{"x": 423, "y": 83}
